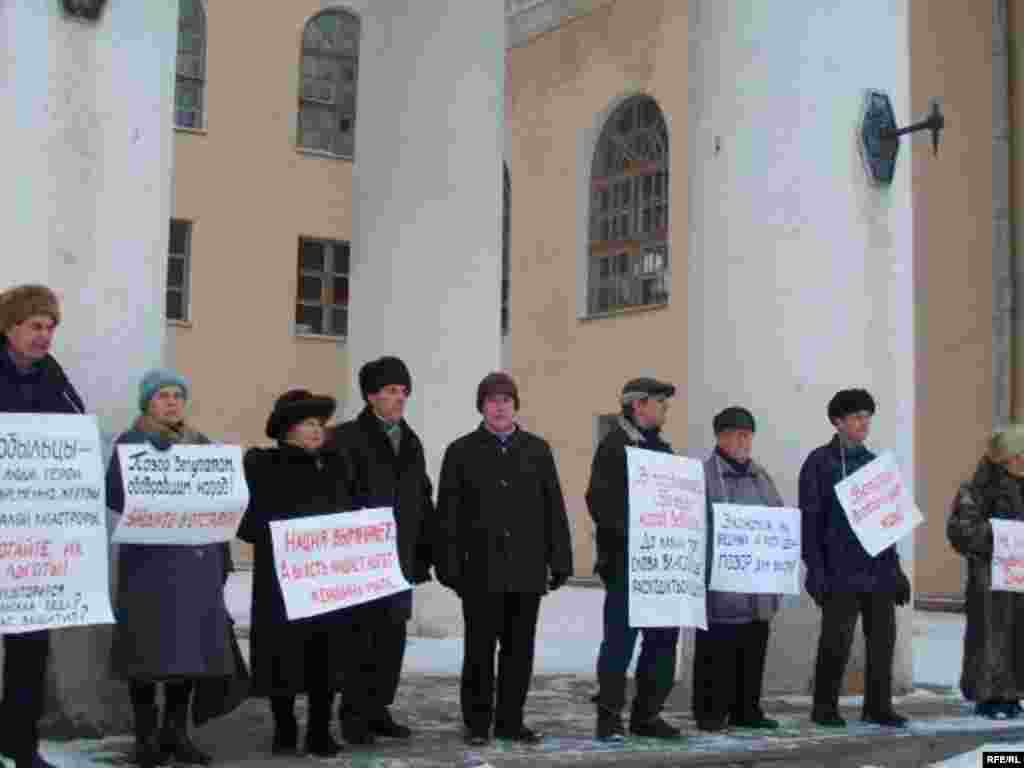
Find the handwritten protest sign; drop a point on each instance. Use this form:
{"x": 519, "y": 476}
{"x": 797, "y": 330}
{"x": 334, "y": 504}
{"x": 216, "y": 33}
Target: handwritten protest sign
{"x": 877, "y": 504}
{"x": 188, "y": 494}
{"x": 54, "y": 567}
{"x": 755, "y": 549}
{"x": 667, "y": 525}
{"x": 335, "y": 561}
{"x": 1007, "y": 555}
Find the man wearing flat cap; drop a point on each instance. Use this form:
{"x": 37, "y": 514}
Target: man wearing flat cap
{"x": 644, "y": 408}
{"x": 503, "y": 543}
{"x": 31, "y": 381}
{"x": 842, "y": 578}
{"x": 388, "y": 470}
{"x": 728, "y": 659}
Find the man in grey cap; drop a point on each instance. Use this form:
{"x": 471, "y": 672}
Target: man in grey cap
{"x": 644, "y": 407}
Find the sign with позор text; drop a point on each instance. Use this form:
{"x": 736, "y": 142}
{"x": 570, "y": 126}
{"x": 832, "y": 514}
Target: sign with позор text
{"x": 328, "y": 562}
{"x": 667, "y": 528}
{"x": 1007, "y": 555}
{"x": 54, "y": 562}
{"x": 755, "y": 549}
{"x": 187, "y": 495}
{"x": 877, "y": 504}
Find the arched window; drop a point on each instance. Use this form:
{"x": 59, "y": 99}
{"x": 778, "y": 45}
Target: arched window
{"x": 628, "y": 254}
{"x": 506, "y": 231}
{"x": 191, "y": 66}
{"x": 327, "y": 101}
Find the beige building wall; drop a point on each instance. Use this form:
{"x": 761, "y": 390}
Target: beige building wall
{"x": 560, "y": 87}
{"x": 1016, "y": 56}
{"x": 250, "y": 195}
{"x": 951, "y": 59}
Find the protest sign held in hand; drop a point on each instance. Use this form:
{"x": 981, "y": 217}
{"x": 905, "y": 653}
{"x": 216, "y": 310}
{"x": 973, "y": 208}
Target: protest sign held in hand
{"x": 878, "y": 505}
{"x": 327, "y": 562}
{"x": 187, "y": 495}
{"x": 755, "y": 549}
{"x": 667, "y": 525}
{"x": 53, "y": 524}
{"x": 1007, "y": 555}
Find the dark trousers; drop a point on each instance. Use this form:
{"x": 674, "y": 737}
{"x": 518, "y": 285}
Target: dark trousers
{"x": 24, "y": 694}
{"x": 655, "y": 669}
{"x": 838, "y": 621}
{"x": 177, "y": 696}
{"x": 508, "y": 619}
{"x": 378, "y": 639}
{"x": 728, "y": 671}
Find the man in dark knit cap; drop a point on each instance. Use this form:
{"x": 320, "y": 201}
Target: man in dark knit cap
{"x": 31, "y": 381}
{"x": 388, "y": 470}
{"x": 503, "y": 542}
{"x": 728, "y": 658}
{"x": 842, "y": 578}
{"x": 644, "y": 408}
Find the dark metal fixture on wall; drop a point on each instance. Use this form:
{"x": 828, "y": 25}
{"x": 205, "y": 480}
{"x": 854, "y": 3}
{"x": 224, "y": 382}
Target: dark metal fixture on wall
{"x": 880, "y": 136}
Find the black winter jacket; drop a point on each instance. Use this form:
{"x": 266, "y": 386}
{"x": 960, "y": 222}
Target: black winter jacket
{"x": 502, "y": 523}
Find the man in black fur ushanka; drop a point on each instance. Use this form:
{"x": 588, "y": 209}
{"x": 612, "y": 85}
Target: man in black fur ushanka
{"x": 388, "y": 469}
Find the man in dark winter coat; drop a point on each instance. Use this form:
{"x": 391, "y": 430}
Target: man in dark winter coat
{"x": 644, "y": 407}
{"x": 503, "y": 542}
{"x": 31, "y": 381}
{"x": 388, "y": 470}
{"x": 842, "y": 578}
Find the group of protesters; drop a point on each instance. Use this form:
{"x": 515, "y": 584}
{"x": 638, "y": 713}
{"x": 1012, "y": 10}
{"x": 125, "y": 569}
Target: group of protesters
{"x": 498, "y": 536}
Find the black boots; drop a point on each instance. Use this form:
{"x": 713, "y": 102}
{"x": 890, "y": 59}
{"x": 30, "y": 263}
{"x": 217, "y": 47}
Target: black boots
{"x": 174, "y": 739}
{"x": 286, "y": 727}
{"x": 319, "y": 741}
{"x": 147, "y": 748}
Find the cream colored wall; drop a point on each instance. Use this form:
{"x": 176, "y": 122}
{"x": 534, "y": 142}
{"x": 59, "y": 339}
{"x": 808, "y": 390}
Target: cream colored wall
{"x": 570, "y": 370}
{"x": 1016, "y": 55}
{"x": 951, "y": 58}
{"x": 251, "y": 195}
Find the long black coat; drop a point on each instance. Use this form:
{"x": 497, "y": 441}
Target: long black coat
{"x": 380, "y": 478}
{"x": 993, "y": 664}
{"x": 501, "y": 515}
{"x": 171, "y": 617}
{"x": 286, "y": 483}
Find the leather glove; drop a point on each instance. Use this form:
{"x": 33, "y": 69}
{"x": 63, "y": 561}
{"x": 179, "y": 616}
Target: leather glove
{"x": 160, "y": 443}
{"x": 901, "y": 592}
{"x": 817, "y": 587}
{"x": 557, "y": 580}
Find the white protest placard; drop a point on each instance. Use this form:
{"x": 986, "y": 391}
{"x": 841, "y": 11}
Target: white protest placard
{"x": 877, "y": 504}
{"x": 755, "y": 549}
{"x": 186, "y": 495}
{"x": 667, "y": 526}
{"x": 54, "y": 566}
{"x": 1007, "y": 555}
{"x": 327, "y": 562}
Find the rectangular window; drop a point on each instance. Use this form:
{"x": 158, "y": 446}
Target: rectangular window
{"x": 321, "y": 305}
{"x": 179, "y": 258}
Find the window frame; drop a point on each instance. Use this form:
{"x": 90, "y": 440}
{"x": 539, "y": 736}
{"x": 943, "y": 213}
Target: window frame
{"x": 197, "y": 80}
{"x": 185, "y": 289}
{"x": 506, "y": 248}
{"x": 628, "y": 264}
{"x": 327, "y": 276}
{"x": 345, "y": 16}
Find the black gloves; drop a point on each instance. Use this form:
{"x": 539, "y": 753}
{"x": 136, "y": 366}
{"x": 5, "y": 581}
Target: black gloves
{"x": 557, "y": 580}
{"x": 817, "y": 587}
{"x": 901, "y": 591}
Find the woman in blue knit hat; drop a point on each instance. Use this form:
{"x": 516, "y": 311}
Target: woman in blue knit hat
{"x": 172, "y": 624}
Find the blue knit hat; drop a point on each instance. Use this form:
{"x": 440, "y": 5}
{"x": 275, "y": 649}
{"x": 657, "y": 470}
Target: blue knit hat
{"x": 157, "y": 379}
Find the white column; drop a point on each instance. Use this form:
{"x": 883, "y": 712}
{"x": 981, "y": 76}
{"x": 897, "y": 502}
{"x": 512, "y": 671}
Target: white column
{"x": 85, "y": 200}
{"x": 426, "y": 263}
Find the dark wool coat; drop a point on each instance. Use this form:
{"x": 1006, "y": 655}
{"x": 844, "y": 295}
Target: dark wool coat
{"x": 380, "y": 478}
{"x": 45, "y": 389}
{"x": 831, "y": 550}
{"x": 725, "y": 485}
{"x": 501, "y": 515}
{"x": 169, "y": 603}
{"x": 608, "y": 497}
{"x": 993, "y": 664}
{"x": 286, "y": 483}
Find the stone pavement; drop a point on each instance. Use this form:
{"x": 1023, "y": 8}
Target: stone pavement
{"x": 559, "y": 706}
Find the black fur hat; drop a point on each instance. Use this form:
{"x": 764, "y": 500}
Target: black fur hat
{"x": 847, "y": 401}
{"x": 377, "y": 374}
{"x": 297, "y": 405}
